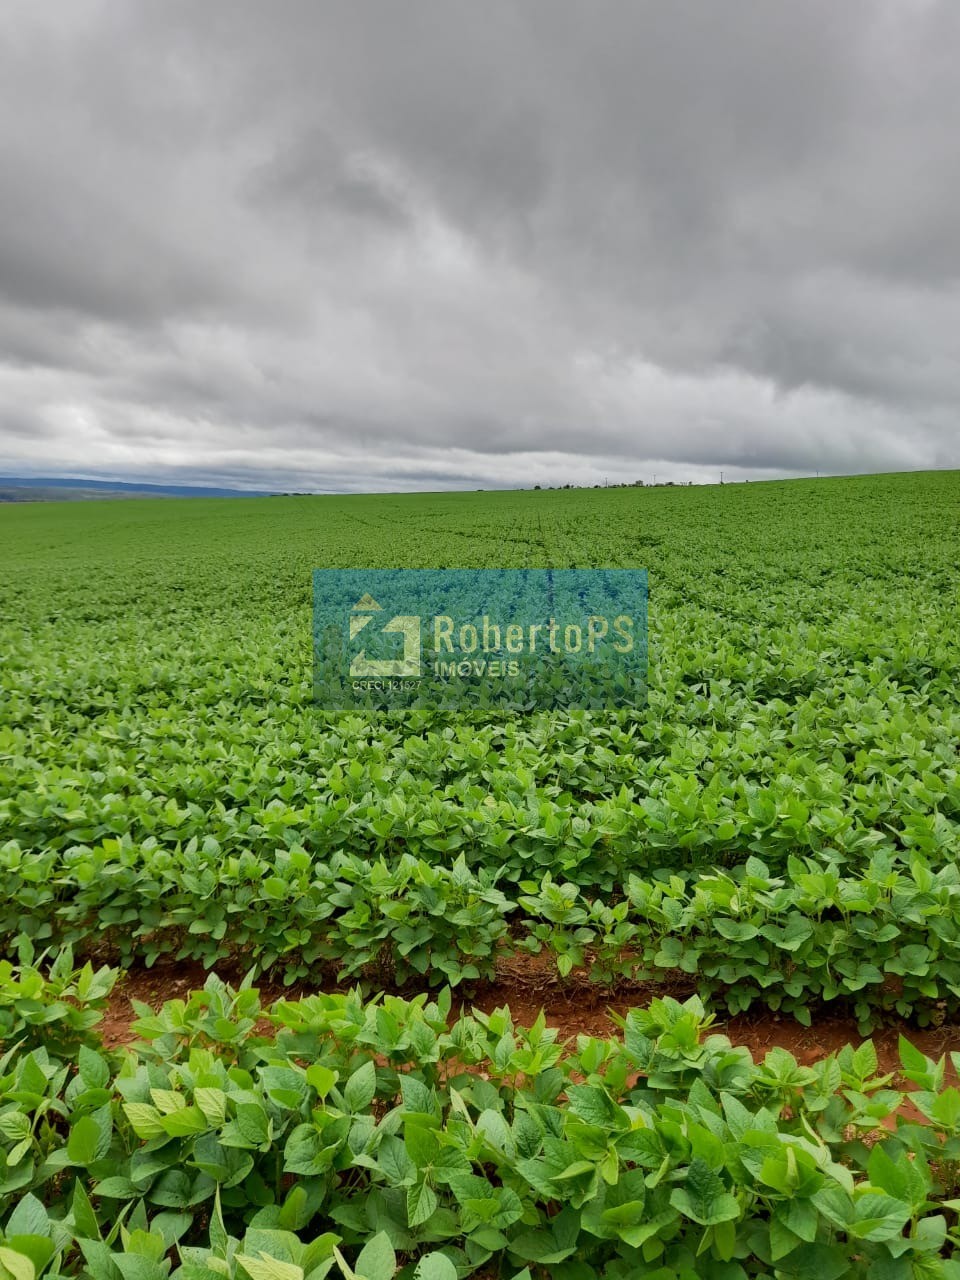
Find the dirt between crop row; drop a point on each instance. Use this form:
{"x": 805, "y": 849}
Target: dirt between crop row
{"x": 530, "y": 983}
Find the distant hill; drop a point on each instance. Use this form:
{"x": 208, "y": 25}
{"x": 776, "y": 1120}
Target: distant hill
{"x": 75, "y": 488}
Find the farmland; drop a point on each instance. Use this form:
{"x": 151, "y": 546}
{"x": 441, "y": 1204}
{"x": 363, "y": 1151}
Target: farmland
{"x": 775, "y": 830}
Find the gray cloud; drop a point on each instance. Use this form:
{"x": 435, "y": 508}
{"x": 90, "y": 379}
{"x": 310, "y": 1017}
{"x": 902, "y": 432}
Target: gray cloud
{"x": 372, "y": 246}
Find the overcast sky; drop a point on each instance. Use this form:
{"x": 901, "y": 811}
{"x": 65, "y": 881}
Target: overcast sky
{"x": 400, "y": 244}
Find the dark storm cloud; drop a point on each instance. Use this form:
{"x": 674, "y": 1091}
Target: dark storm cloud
{"x": 380, "y": 245}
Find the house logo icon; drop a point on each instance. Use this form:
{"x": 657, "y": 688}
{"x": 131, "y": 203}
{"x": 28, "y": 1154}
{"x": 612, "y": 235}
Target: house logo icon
{"x": 408, "y": 625}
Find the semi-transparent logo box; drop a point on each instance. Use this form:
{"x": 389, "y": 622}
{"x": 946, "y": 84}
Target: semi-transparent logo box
{"x": 471, "y": 639}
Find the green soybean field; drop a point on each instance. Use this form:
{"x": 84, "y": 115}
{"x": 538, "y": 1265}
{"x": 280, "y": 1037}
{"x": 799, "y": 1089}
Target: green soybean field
{"x": 775, "y": 833}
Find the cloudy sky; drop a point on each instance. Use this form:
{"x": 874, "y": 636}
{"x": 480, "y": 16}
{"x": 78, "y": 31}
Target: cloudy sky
{"x": 366, "y": 244}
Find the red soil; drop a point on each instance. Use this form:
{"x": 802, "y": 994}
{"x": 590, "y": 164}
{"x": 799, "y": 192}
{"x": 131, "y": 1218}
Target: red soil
{"x": 575, "y": 1007}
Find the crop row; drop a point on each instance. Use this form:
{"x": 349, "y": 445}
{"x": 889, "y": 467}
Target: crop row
{"x": 887, "y": 939}
{"x": 694, "y": 782}
{"x": 381, "y": 1140}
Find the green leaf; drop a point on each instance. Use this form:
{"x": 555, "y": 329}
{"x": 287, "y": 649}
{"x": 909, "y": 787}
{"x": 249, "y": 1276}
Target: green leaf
{"x": 360, "y": 1089}
{"x": 135, "y": 1266}
{"x": 81, "y": 1210}
{"x": 114, "y": 1189}
{"x": 703, "y": 1197}
{"x": 94, "y": 1071}
{"x": 305, "y": 1153}
{"x": 171, "y": 1226}
{"x": 266, "y": 1268}
{"x": 29, "y": 1218}
{"x": 39, "y": 1249}
{"x": 435, "y": 1266}
{"x": 879, "y": 1217}
{"x": 99, "y": 1259}
{"x": 15, "y": 1265}
{"x": 421, "y": 1203}
{"x": 83, "y": 1142}
{"x": 184, "y": 1122}
{"x": 213, "y": 1105}
{"x": 377, "y": 1260}
{"x": 145, "y": 1120}
{"x": 295, "y": 1211}
{"x": 596, "y": 1107}
{"x": 253, "y": 1124}
{"x": 321, "y": 1078}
